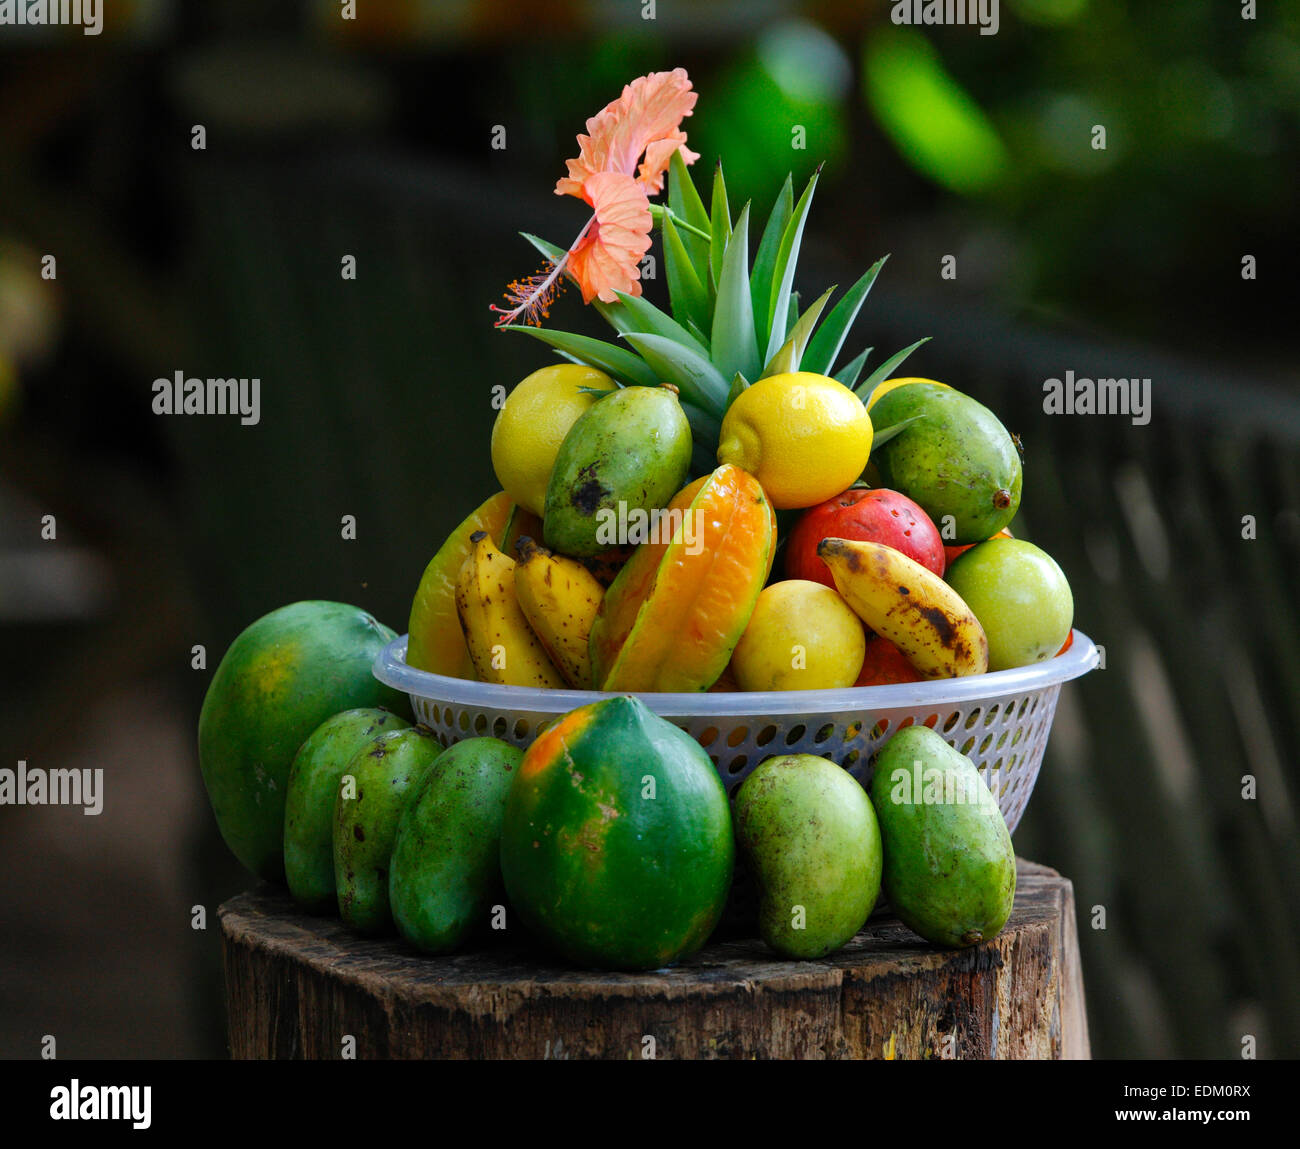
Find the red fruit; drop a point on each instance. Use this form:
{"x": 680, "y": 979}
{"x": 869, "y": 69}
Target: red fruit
{"x": 875, "y": 515}
{"x": 885, "y": 664}
{"x": 951, "y": 553}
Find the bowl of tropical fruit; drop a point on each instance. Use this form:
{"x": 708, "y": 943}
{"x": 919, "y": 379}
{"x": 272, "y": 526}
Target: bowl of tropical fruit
{"x": 745, "y": 611}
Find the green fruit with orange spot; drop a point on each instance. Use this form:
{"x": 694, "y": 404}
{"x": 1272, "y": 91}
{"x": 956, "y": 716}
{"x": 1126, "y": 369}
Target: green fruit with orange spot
{"x": 281, "y": 678}
{"x": 616, "y": 846}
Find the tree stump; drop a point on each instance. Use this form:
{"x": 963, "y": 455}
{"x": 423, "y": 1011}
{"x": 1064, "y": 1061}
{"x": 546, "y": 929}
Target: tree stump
{"x": 299, "y": 986}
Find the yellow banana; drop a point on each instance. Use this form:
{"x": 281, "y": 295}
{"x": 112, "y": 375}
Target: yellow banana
{"x": 559, "y": 597}
{"x": 501, "y": 645}
{"x": 910, "y": 605}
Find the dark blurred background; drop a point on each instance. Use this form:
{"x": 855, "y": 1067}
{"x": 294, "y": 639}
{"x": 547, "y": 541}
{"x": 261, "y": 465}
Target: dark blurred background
{"x": 373, "y": 138}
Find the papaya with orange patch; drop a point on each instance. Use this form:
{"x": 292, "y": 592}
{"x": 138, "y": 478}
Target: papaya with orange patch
{"x": 616, "y": 844}
{"x": 674, "y": 614}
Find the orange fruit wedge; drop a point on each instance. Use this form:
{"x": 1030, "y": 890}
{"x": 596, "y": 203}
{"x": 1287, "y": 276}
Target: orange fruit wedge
{"x": 677, "y": 609}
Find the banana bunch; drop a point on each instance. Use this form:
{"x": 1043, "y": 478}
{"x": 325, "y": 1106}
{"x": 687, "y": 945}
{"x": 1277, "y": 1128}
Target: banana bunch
{"x": 526, "y": 623}
{"x": 560, "y": 597}
{"x": 910, "y": 605}
{"x": 502, "y": 646}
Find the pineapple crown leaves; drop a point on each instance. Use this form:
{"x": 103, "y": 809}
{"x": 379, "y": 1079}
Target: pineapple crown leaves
{"x": 730, "y": 322}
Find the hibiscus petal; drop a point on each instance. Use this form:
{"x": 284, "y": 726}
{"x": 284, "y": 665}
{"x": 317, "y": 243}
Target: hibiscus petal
{"x": 607, "y": 258}
{"x": 658, "y": 155}
{"x": 645, "y": 116}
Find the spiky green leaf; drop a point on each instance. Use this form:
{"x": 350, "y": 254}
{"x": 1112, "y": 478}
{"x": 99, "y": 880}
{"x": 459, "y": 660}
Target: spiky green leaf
{"x": 738, "y": 384}
{"x": 787, "y": 259}
{"x": 553, "y": 253}
{"x": 686, "y": 293}
{"x": 613, "y": 360}
{"x": 880, "y": 438}
{"x": 734, "y": 344}
{"x": 636, "y": 313}
{"x": 848, "y": 374}
{"x": 694, "y": 376}
{"x": 790, "y": 356}
{"x": 720, "y": 222}
{"x": 760, "y": 280}
{"x": 824, "y": 347}
{"x": 684, "y": 199}
{"x": 886, "y": 370}
{"x": 694, "y": 329}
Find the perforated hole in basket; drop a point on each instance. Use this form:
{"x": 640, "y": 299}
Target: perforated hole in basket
{"x": 1004, "y": 736}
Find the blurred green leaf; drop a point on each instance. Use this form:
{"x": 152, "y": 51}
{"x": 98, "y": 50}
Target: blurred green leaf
{"x": 930, "y": 117}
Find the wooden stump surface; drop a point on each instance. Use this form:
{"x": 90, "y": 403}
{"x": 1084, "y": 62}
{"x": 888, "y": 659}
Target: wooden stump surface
{"x": 299, "y": 986}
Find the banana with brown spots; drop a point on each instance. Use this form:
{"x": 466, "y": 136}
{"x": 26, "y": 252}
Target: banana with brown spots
{"x": 502, "y": 646}
{"x": 560, "y": 598}
{"x": 910, "y": 605}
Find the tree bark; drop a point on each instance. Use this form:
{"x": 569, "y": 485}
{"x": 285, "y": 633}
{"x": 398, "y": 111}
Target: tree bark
{"x": 299, "y": 986}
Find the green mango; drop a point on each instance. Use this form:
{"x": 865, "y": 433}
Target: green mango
{"x": 309, "y": 801}
{"x": 445, "y": 873}
{"x": 956, "y": 461}
{"x": 372, "y": 796}
{"x": 950, "y": 871}
{"x": 630, "y": 452}
{"x": 280, "y": 679}
{"x": 808, "y": 835}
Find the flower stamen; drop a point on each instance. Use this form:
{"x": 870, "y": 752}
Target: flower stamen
{"x": 532, "y": 296}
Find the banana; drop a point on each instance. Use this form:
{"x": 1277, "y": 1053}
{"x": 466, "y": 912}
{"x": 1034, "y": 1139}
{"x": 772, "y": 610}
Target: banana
{"x": 501, "y": 645}
{"x": 559, "y": 597}
{"x": 910, "y": 605}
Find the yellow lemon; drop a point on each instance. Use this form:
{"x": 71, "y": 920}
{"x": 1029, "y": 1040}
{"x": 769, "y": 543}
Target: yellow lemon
{"x": 805, "y": 437}
{"x": 532, "y": 424}
{"x": 883, "y": 389}
{"x": 801, "y": 636}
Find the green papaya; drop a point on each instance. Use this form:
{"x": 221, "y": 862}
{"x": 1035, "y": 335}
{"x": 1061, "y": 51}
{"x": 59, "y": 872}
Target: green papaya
{"x": 616, "y": 846}
{"x": 629, "y": 453}
{"x": 956, "y": 461}
{"x": 950, "y": 871}
{"x": 372, "y": 797}
{"x": 808, "y": 834}
{"x": 281, "y": 678}
{"x": 309, "y": 803}
{"x": 445, "y": 873}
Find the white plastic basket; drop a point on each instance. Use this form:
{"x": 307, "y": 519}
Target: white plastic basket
{"x": 1000, "y": 720}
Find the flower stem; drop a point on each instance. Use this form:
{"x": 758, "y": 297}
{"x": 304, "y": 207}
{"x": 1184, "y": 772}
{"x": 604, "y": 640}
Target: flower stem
{"x": 659, "y": 213}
